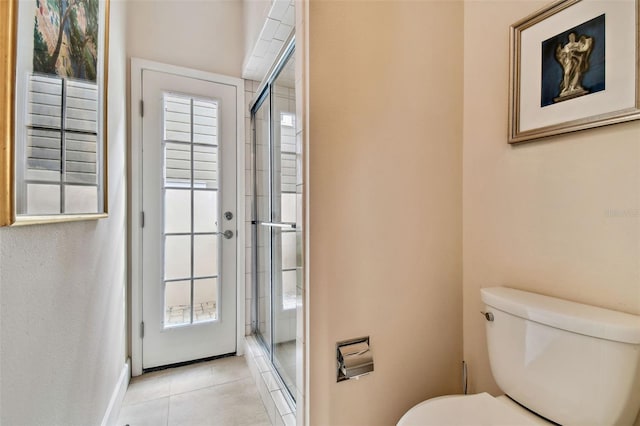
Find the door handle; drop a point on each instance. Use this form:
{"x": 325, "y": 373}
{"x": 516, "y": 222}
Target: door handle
{"x": 228, "y": 234}
{"x": 283, "y": 225}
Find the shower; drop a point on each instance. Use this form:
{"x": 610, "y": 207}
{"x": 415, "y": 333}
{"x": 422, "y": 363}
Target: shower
{"x": 276, "y": 239}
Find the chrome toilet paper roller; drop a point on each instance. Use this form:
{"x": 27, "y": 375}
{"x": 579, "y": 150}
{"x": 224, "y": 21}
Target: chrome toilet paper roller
{"x": 354, "y": 358}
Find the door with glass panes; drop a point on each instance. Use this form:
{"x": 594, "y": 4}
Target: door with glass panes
{"x": 189, "y": 234}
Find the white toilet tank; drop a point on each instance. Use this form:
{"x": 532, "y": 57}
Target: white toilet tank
{"x": 571, "y": 363}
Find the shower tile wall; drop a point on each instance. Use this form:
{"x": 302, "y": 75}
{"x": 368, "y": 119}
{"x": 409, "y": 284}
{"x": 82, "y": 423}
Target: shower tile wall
{"x": 250, "y": 88}
{"x": 261, "y": 302}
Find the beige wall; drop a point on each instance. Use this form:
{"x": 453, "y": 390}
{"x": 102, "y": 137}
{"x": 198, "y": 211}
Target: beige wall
{"x": 62, "y": 286}
{"x": 560, "y": 217}
{"x": 384, "y": 200}
{"x": 206, "y": 35}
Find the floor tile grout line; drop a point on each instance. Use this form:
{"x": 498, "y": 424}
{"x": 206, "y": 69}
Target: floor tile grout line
{"x": 170, "y": 394}
{"x": 238, "y": 374}
{"x": 145, "y": 401}
{"x": 210, "y": 386}
{"x": 168, "y": 410}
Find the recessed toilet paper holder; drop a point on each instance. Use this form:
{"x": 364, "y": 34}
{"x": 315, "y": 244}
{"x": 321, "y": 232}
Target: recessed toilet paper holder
{"x": 354, "y": 358}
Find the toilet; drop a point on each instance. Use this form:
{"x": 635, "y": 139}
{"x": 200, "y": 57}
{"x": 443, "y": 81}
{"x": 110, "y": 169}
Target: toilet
{"x": 556, "y": 361}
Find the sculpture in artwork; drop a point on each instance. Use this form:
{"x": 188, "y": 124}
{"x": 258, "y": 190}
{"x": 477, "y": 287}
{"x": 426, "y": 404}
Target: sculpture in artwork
{"x": 574, "y": 59}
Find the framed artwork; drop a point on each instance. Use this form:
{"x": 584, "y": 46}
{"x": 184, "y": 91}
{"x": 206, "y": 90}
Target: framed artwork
{"x": 54, "y": 135}
{"x": 574, "y": 66}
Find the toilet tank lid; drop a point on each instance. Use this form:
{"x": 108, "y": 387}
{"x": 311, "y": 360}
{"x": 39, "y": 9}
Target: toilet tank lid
{"x": 563, "y": 314}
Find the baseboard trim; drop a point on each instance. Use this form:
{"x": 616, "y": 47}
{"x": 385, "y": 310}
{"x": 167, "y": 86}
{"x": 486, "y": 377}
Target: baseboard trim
{"x": 113, "y": 409}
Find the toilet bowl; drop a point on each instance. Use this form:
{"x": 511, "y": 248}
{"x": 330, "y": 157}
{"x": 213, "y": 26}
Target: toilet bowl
{"x": 478, "y": 409}
{"x": 570, "y": 363}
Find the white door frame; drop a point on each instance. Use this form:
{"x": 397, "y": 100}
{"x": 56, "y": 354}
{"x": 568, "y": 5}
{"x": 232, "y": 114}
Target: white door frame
{"x": 137, "y": 66}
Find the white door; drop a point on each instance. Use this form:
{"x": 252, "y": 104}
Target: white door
{"x": 189, "y": 234}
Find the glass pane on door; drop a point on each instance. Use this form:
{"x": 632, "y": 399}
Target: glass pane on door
{"x": 283, "y": 210}
{"x": 191, "y": 194}
{"x": 205, "y": 297}
{"x": 263, "y": 214}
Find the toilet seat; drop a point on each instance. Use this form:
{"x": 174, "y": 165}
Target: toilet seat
{"x": 480, "y": 409}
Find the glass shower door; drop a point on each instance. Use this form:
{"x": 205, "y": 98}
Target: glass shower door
{"x": 262, "y": 214}
{"x": 275, "y": 231}
{"x": 283, "y": 212}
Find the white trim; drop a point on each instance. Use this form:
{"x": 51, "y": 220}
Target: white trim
{"x": 134, "y": 217}
{"x": 302, "y": 55}
{"x": 137, "y": 66}
{"x": 110, "y": 417}
{"x": 240, "y": 221}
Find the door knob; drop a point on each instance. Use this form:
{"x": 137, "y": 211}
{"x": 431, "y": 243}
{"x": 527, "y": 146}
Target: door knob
{"x": 228, "y": 234}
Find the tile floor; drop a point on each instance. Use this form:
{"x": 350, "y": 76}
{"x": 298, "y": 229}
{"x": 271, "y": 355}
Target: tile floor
{"x": 217, "y": 393}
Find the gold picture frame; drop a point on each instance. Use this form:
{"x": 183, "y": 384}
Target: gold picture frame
{"x": 561, "y": 81}
{"x": 8, "y": 18}
{"x": 67, "y": 49}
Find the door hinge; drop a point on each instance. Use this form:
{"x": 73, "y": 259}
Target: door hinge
{"x": 142, "y": 330}
{"x": 142, "y": 219}
{"x": 141, "y": 108}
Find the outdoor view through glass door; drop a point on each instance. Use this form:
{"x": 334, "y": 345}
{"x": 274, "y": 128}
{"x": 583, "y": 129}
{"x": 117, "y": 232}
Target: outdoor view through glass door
{"x": 189, "y": 245}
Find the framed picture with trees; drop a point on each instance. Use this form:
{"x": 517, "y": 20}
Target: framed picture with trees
{"x": 54, "y": 135}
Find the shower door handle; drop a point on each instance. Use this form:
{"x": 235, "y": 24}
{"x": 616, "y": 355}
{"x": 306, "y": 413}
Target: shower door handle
{"x": 282, "y": 225}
